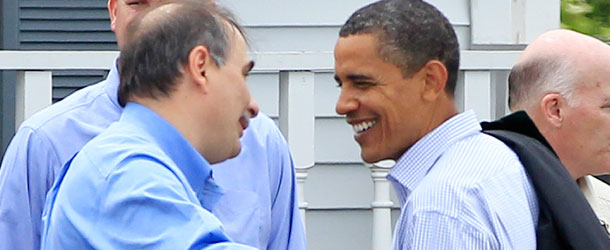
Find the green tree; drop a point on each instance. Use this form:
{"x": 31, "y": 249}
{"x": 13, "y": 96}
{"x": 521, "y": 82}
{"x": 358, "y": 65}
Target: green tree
{"x": 590, "y": 17}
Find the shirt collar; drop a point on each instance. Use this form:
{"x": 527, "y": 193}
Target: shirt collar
{"x": 112, "y": 84}
{"x": 195, "y": 168}
{"x": 518, "y": 122}
{"x": 417, "y": 161}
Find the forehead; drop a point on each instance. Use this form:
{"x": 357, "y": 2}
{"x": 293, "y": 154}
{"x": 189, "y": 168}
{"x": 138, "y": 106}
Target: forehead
{"x": 357, "y": 51}
{"x": 356, "y": 46}
{"x": 359, "y": 54}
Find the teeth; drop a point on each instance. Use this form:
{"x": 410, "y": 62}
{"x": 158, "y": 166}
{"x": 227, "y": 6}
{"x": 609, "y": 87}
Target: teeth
{"x": 363, "y": 126}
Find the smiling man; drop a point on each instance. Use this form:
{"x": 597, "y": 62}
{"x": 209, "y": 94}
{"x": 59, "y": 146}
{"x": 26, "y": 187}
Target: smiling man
{"x": 259, "y": 205}
{"x": 146, "y": 182}
{"x": 397, "y": 64}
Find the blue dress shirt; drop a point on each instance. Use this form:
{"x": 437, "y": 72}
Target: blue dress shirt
{"x": 139, "y": 184}
{"x": 462, "y": 189}
{"x": 259, "y": 207}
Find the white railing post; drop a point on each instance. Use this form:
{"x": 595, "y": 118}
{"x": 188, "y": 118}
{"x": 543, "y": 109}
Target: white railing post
{"x": 382, "y": 206}
{"x": 297, "y": 121}
{"x": 33, "y": 93}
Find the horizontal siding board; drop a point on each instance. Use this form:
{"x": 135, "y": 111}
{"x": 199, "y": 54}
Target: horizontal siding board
{"x": 65, "y": 82}
{"x": 67, "y": 37}
{"x": 75, "y": 81}
{"x": 293, "y": 38}
{"x": 334, "y": 142}
{"x": 63, "y": 14}
{"x": 65, "y": 25}
{"x": 323, "y": 12}
{"x": 340, "y": 229}
{"x": 86, "y": 4}
{"x": 71, "y": 46}
{"x": 264, "y": 88}
{"x": 339, "y": 186}
{"x": 61, "y": 93}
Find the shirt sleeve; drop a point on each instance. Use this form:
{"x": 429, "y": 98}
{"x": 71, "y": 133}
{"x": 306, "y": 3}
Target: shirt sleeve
{"x": 286, "y": 225}
{"x": 27, "y": 172}
{"x": 434, "y": 230}
{"x": 147, "y": 206}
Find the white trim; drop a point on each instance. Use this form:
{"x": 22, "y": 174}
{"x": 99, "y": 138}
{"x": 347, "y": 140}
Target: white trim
{"x": 265, "y": 61}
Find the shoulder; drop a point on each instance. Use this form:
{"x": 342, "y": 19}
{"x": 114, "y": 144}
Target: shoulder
{"x": 470, "y": 168}
{"x": 72, "y": 122}
{"x": 121, "y": 144}
{"x": 263, "y": 131}
{"x": 78, "y": 106}
{"x": 262, "y": 125}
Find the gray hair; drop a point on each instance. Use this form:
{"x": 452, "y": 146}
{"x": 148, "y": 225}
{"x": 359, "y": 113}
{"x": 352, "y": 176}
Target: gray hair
{"x": 530, "y": 80}
{"x": 159, "y": 43}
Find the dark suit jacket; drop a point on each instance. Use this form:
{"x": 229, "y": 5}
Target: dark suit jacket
{"x": 566, "y": 220}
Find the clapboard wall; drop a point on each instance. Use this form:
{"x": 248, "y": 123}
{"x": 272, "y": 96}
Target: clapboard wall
{"x": 339, "y": 188}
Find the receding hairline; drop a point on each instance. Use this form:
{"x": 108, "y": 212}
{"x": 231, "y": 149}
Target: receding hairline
{"x": 535, "y": 76}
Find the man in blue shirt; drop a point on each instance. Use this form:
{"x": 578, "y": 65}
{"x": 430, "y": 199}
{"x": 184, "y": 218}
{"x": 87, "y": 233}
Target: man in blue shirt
{"x": 145, "y": 182}
{"x": 397, "y": 64}
{"x": 258, "y": 207}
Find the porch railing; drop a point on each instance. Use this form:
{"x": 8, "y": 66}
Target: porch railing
{"x": 482, "y": 87}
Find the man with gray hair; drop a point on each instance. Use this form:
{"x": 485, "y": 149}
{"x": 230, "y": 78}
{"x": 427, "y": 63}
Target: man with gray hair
{"x": 259, "y": 203}
{"x": 562, "y": 82}
{"x": 146, "y": 181}
{"x": 396, "y": 62}
{"x": 559, "y": 91}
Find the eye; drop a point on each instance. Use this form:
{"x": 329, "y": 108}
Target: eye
{"x": 363, "y": 84}
{"x": 135, "y": 2}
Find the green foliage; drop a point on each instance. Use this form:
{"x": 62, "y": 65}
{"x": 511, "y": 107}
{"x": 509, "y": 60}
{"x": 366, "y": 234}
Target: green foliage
{"x": 590, "y": 17}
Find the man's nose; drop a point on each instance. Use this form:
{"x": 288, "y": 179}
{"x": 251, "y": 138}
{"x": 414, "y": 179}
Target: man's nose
{"x": 252, "y": 108}
{"x": 345, "y": 103}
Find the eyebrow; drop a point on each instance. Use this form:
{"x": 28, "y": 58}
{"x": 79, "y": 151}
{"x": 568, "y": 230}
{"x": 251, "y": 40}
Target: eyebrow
{"x": 248, "y": 67}
{"x": 355, "y": 77}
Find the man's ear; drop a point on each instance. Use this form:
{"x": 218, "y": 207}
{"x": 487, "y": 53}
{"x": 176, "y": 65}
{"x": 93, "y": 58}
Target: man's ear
{"x": 552, "y": 105}
{"x": 435, "y": 79}
{"x": 199, "y": 62}
{"x": 112, "y": 12}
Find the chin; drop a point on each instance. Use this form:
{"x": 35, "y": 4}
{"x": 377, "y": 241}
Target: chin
{"x": 370, "y": 158}
{"x": 376, "y": 156}
{"x": 235, "y": 152}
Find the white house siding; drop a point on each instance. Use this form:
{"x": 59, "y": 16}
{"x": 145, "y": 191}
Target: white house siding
{"x": 338, "y": 188}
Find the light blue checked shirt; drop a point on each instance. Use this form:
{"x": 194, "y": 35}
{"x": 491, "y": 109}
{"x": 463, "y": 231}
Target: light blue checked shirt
{"x": 462, "y": 189}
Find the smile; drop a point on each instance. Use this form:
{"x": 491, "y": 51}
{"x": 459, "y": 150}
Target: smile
{"x": 244, "y": 120}
{"x": 363, "y": 126}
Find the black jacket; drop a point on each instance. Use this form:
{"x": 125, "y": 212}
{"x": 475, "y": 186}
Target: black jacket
{"x": 566, "y": 220}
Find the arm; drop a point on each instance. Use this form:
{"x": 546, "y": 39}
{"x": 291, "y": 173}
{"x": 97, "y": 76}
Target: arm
{"x": 27, "y": 172}
{"x": 434, "y": 230}
{"x": 286, "y": 225}
{"x": 146, "y": 205}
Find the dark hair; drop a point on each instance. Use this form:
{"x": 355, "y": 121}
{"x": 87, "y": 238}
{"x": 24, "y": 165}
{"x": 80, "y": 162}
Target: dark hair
{"x": 410, "y": 33}
{"x": 158, "y": 44}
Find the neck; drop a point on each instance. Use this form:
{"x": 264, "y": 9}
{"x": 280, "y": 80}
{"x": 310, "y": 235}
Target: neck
{"x": 176, "y": 113}
{"x": 554, "y": 139}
